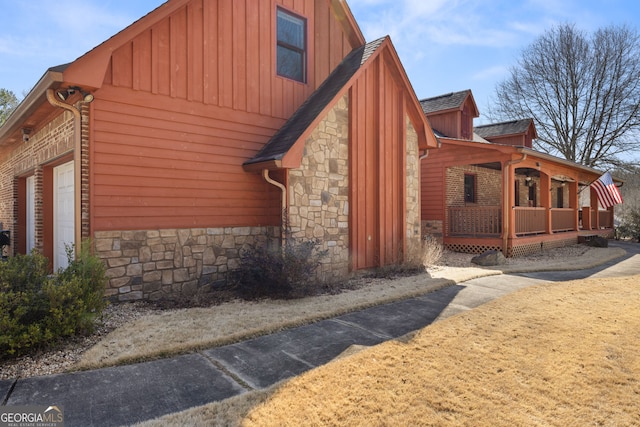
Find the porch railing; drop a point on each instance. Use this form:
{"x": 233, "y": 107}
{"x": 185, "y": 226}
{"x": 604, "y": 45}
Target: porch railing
{"x": 485, "y": 221}
{"x": 475, "y": 221}
{"x": 530, "y": 220}
{"x": 562, "y": 219}
{"x": 605, "y": 219}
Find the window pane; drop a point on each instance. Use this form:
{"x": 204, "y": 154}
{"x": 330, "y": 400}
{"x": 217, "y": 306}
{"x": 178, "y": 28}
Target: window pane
{"x": 470, "y": 188}
{"x": 290, "y": 63}
{"x": 290, "y": 30}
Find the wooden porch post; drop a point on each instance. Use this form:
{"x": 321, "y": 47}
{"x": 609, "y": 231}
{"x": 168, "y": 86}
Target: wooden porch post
{"x": 573, "y": 203}
{"x": 545, "y": 201}
{"x": 586, "y": 218}
{"x": 595, "y": 224}
{"x": 508, "y": 203}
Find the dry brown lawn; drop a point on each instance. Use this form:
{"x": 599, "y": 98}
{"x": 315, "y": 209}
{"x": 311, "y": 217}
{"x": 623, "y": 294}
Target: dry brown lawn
{"x": 180, "y": 331}
{"x": 560, "y": 354}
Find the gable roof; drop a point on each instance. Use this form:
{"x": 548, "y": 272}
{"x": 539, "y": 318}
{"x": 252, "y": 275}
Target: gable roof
{"x": 306, "y": 115}
{"x": 447, "y": 102}
{"x": 287, "y": 135}
{"x": 513, "y": 127}
{"x": 88, "y": 70}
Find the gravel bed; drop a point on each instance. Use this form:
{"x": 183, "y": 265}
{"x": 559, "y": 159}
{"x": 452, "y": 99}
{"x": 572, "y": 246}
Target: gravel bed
{"x": 64, "y": 357}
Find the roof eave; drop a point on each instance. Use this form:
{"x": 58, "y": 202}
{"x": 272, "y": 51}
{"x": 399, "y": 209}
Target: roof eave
{"x": 348, "y": 22}
{"x": 532, "y": 152}
{"x": 50, "y": 80}
{"x": 262, "y": 165}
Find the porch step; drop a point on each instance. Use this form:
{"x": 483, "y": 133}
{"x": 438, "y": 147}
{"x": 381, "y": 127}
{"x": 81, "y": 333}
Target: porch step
{"x": 584, "y": 238}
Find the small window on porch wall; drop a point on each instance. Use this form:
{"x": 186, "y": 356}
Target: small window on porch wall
{"x": 533, "y": 202}
{"x": 292, "y": 46}
{"x": 469, "y": 188}
{"x": 560, "y": 197}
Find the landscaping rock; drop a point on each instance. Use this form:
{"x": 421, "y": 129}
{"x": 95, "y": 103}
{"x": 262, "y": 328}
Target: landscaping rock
{"x": 598, "y": 242}
{"x": 489, "y": 258}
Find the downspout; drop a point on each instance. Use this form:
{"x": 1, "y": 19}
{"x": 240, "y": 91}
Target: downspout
{"x": 506, "y": 209}
{"x": 283, "y": 210}
{"x": 426, "y": 151}
{"x": 77, "y": 163}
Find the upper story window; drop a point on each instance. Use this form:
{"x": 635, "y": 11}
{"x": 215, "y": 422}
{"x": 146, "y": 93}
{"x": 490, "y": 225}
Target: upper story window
{"x": 292, "y": 46}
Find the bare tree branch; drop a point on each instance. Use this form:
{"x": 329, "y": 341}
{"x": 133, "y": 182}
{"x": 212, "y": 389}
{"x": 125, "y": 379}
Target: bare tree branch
{"x": 583, "y": 92}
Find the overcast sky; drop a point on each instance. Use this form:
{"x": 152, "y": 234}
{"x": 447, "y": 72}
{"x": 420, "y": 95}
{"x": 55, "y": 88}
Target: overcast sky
{"x": 445, "y": 45}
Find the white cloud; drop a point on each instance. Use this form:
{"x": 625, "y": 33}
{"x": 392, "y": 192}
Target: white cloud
{"x": 422, "y": 23}
{"x": 491, "y": 73}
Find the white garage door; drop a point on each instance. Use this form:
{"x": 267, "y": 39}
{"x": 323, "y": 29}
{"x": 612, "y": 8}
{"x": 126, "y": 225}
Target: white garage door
{"x": 63, "y": 215}
{"x": 31, "y": 215}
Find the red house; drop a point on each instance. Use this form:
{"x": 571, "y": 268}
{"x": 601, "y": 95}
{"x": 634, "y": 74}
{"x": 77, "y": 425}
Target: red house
{"x": 487, "y": 188}
{"x": 182, "y": 139}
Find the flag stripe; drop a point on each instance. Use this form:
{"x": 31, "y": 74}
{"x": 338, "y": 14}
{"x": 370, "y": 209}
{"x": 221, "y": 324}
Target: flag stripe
{"x": 608, "y": 193}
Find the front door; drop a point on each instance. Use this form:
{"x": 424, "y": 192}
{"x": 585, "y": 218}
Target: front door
{"x": 63, "y": 214}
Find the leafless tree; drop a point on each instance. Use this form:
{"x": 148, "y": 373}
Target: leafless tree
{"x": 583, "y": 91}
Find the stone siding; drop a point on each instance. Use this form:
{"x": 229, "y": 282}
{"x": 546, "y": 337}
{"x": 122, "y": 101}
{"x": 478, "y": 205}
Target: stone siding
{"x": 413, "y": 187}
{"x": 319, "y": 192}
{"x": 154, "y": 264}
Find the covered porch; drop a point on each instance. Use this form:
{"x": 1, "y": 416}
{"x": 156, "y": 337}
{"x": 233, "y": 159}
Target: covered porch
{"x": 524, "y": 203}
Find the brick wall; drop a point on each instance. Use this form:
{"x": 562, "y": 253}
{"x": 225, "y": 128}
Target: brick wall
{"x": 555, "y": 185}
{"x": 49, "y": 143}
{"x": 488, "y": 186}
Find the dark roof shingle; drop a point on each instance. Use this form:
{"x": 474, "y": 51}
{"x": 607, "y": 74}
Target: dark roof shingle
{"x": 298, "y": 123}
{"x": 445, "y": 102}
{"x": 505, "y": 128}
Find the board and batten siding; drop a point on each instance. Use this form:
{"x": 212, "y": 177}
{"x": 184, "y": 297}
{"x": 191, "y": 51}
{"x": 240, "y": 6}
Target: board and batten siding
{"x": 378, "y": 156}
{"x": 186, "y": 102}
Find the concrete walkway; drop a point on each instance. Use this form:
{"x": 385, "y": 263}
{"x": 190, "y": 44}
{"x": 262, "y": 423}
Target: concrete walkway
{"x": 128, "y": 394}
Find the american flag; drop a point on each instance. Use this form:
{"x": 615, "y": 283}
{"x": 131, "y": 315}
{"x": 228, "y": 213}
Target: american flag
{"x": 608, "y": 193}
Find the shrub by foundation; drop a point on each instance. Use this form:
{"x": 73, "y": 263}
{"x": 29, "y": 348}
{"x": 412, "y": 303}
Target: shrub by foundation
{"x": 37, "y": 310}
{"x": 275, "y": 271}
{"x": 419, "y": 256}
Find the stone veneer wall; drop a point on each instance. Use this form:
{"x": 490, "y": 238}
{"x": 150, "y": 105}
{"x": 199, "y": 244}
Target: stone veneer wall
{"x": 319, "y": 192}
{"x": 153, "y": 264}
{"x": 413, "y": 188}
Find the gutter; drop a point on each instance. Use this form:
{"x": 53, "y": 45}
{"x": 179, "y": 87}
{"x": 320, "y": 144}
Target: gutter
{"x": 524, "y": 151}
{"x": 51, "y": 79}
{"x": 283, "y": 210}
{"x": 77, "y": 163}
{"x": 426, "y": 150}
